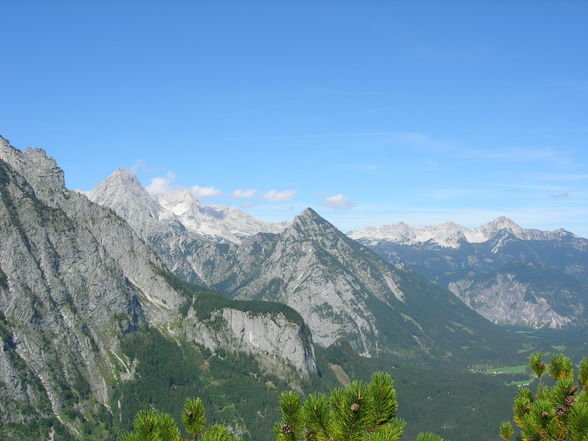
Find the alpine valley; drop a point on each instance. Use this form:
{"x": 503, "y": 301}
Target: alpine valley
{"x": 118, "y": 299}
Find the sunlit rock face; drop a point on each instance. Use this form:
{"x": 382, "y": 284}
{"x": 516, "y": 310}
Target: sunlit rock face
{"x": 508, "y": 274}
{"x": 74, "y": 279}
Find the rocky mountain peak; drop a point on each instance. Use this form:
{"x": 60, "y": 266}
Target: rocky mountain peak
{"x": 453, "y": 235}
{"x": 310, "y": 223}
{"x": 123, "y": 192}
{"x": 503, "y": 223}
{"x": 39, "y": 169}
{"x": 124, "y": 175}
{"x": 121, "y": 180}
{"x": 309, "y": 216}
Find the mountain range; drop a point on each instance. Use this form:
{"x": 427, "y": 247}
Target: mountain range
{"x": 117, "y": 299}
{"x": 341, "y": 289}
{"x": 510, "y": 275}
{"x": 75, "y": 282}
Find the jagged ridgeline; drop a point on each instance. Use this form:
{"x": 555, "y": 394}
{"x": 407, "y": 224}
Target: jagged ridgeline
{"x": 341, "y": 288}
{"x": 510, "y": 275}
{"x": 93, "y": 326}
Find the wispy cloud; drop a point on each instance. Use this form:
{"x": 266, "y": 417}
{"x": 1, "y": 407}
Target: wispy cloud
{"x": 534, "y": 187}
{"x": 161, "y": 184}
{"x": 140, "y": 166}
{"x": 243, "y": 194}
{"x": 339, "y": 202}
{"x": 164, "y": 184}
{"x": 279, "y": 196}
{"x": 559, "y": 195}
{"x": 205, "y": 192}
{"x": 515, "y": 155}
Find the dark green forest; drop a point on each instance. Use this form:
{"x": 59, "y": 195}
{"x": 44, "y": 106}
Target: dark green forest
{"x": 232, "y": 385}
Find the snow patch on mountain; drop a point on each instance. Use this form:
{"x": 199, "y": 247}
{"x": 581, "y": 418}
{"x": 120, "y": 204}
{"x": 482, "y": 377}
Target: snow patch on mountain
{"x": 213, "y": 220}
{"x": 450, "y": 234}
{"x": 123, "y": 191}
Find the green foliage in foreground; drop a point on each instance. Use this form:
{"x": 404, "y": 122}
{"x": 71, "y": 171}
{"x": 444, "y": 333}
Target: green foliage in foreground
{"x": 459, "y": 406}
{"x": 231, "y": 386}
{"x": 553, "y": 413}
{"x": 152, "y": 425}
{"x": 359, "y": 412}
{"x": 237, "y": 392}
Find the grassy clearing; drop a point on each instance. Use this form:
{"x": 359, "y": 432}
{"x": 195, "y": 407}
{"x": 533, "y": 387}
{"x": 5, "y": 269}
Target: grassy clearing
{"x": 518, "y": 369}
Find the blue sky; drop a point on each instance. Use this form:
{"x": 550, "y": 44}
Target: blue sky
{"x": 372, "y": 112}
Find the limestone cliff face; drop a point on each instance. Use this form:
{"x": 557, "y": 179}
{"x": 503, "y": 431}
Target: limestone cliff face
{"x": 276, "y": 342}
{"x": 341, "y": 288}
{"x": 321, "y": 274}
{"x": 525, "y": 295}
{"x": 63, "y": 299}
{"x": 74, "y": 278}
{"x": 508, "y": 274}
{"x": 344, "y": 290}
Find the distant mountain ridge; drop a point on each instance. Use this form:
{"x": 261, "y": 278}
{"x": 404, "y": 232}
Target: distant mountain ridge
{"x": 510, "y": 275}
{"x": 341, "y": 289}
{"x": 124, "y": 192}
{"x": 452, "y": 235}
{"x": 94, "y": 326}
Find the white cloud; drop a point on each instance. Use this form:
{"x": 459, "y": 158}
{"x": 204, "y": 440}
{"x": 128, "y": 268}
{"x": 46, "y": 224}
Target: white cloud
{"x": 204, "y": 192}
{"x": 161, "y": 184}
{"x": 164, "y": 184}
{"x": 339, "y": 201}
{"x": 279, "y": 196}
{"x": 243, "y": 194}
{"x": 559, "y": 195}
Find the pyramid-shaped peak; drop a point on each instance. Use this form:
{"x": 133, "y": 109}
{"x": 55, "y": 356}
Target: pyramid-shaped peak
{"x": 120, "y": 189}
{"x": 503, "y": 223}
{"x": 309, "y": 215}
{"x": 503, "y": 220}
{"x": 309, "y": 212}
{"x": 451, "y": 224}
{"x": 121, "y": 181}
{"x": 309, "y": 222}
{"x": 123, "y": 175}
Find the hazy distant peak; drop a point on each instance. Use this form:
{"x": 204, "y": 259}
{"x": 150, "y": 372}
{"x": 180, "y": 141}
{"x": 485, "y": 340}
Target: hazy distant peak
{"x": 503, "y": 223}
{"x": 450, "y": 234}
{"x": 123, "y": 192}
{"x": 123, "y": 181}
{"x": 124, "y": 174}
